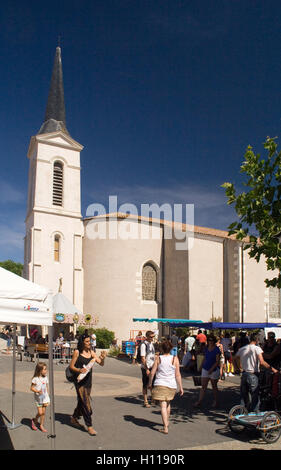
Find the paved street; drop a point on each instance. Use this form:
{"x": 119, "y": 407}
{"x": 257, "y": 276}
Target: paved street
{"x": 119, "y": 417}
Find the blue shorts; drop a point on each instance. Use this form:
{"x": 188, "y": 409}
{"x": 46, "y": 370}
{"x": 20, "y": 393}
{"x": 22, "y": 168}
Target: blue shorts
{"x": 174, "y": 351}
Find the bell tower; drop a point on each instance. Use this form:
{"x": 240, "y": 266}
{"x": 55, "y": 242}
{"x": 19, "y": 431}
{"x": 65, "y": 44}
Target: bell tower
{"x": 54, "y": 227}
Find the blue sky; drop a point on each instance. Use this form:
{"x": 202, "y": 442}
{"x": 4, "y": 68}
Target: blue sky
{"x": 165, "y": 96}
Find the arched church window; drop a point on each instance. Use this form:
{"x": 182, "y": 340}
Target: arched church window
{"x": 57, "y": 184}
{"x": 149, "y": 282}
{"x": 56, "y": 248}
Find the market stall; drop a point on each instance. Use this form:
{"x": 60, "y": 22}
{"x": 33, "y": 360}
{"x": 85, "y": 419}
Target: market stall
{"x": 66, "y": 318}
{"x": 183, "y": 323}
{"x": 24, "y": 302}
{"x": 66, "y": 313}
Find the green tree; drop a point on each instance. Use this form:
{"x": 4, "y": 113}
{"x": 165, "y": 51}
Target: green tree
{"x": 259, "y": 208}
{"x": 103, "y": 335}
{"x": 12, "y": 266}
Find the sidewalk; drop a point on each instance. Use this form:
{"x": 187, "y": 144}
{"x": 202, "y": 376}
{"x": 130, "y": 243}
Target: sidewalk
{"x": 120, "y": 419}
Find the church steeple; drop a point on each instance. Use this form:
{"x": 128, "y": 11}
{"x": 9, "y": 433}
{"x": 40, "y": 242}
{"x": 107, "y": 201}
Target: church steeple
{"x": 54, "y": 226}
{"x": 55, "y": 110}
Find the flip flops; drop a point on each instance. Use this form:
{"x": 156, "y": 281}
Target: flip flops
{"x": 92, "y": 433}
{"x": 33, "y": 426}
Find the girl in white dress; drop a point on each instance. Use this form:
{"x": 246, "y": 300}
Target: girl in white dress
{"x": 39, "y": 386}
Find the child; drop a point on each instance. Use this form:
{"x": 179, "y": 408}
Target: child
{"x": 41, "y": 396}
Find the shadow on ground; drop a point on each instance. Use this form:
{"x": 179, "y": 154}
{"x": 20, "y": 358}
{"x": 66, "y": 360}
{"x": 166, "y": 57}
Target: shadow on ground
{"x": 5, "y": 440}
{"x": 145, "y": 423}
{"x": 182, "y": 408}
{"x": 250, "y": 436}
{"x": 26, "y": 422}
{"x": 133, "y": 400}
{"x": 64, "y": 419}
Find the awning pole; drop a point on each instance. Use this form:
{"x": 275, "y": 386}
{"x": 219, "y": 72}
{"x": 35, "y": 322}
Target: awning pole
{"x": 52, "y": 436}
{"x": 13, "y": 425}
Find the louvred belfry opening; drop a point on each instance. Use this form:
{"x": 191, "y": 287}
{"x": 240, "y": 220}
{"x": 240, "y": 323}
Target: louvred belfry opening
{"x": 58, "y": 184}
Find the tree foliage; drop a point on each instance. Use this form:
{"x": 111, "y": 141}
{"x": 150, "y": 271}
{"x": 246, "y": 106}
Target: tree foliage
{"x": 259, "y": 208}
{"x": 12, "y": 266}
{"x": 104, "y": 336}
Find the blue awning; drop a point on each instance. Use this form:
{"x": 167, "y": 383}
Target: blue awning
{"x": 230, "y": 326}
{"x": 179, "y": 322}
{"x": 175, "y": 321}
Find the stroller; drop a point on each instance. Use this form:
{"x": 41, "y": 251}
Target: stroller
{"x": 268, "y": 420}
{"x": 270, "y": 391}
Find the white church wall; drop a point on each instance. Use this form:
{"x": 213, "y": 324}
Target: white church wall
{"x": 256, "y": 297}
{"x": 176, "y": 281}
{"x": 78, "y": 281}
{"x": 206, "y": 278}
{"x": 112, "y": 278}
{"x": 37, "y": 246}
{"x": 78, "y": 289}
{"x": 43, "y": 269}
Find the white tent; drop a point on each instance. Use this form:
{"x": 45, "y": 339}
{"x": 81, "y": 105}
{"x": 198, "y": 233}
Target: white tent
{"x": 61, "y": 304}
{"x": 24, "y": 302}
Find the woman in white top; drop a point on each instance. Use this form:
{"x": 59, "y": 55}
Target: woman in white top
{"x": 167, "y": 370}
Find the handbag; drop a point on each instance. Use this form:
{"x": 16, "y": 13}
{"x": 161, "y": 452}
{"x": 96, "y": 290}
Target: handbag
{"x": 69, "y": 374}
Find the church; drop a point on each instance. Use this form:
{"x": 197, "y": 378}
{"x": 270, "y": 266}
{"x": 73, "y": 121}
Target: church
{"x": 113, "y": 278}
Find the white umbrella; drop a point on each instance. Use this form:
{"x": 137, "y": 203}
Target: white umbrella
{"x": 61, "y": 304}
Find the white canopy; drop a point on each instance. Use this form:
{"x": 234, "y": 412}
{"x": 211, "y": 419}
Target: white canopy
{"x": 24, "y": 302}
{"x": 61, "y": 304}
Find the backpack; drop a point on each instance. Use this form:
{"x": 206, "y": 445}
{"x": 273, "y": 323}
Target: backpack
{"x": 69, "y": 374}
{"x": 138, "y": 357}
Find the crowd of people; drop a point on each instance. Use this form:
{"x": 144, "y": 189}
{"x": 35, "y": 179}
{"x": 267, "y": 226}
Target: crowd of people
{"x": 160, "y": 374}
{"x": 230, "y": 365}
{"x": 205, "y": 355}
{"x": 211, "y": 357}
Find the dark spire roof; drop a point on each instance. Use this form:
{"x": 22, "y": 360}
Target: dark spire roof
{"x": 55, "y": 111}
